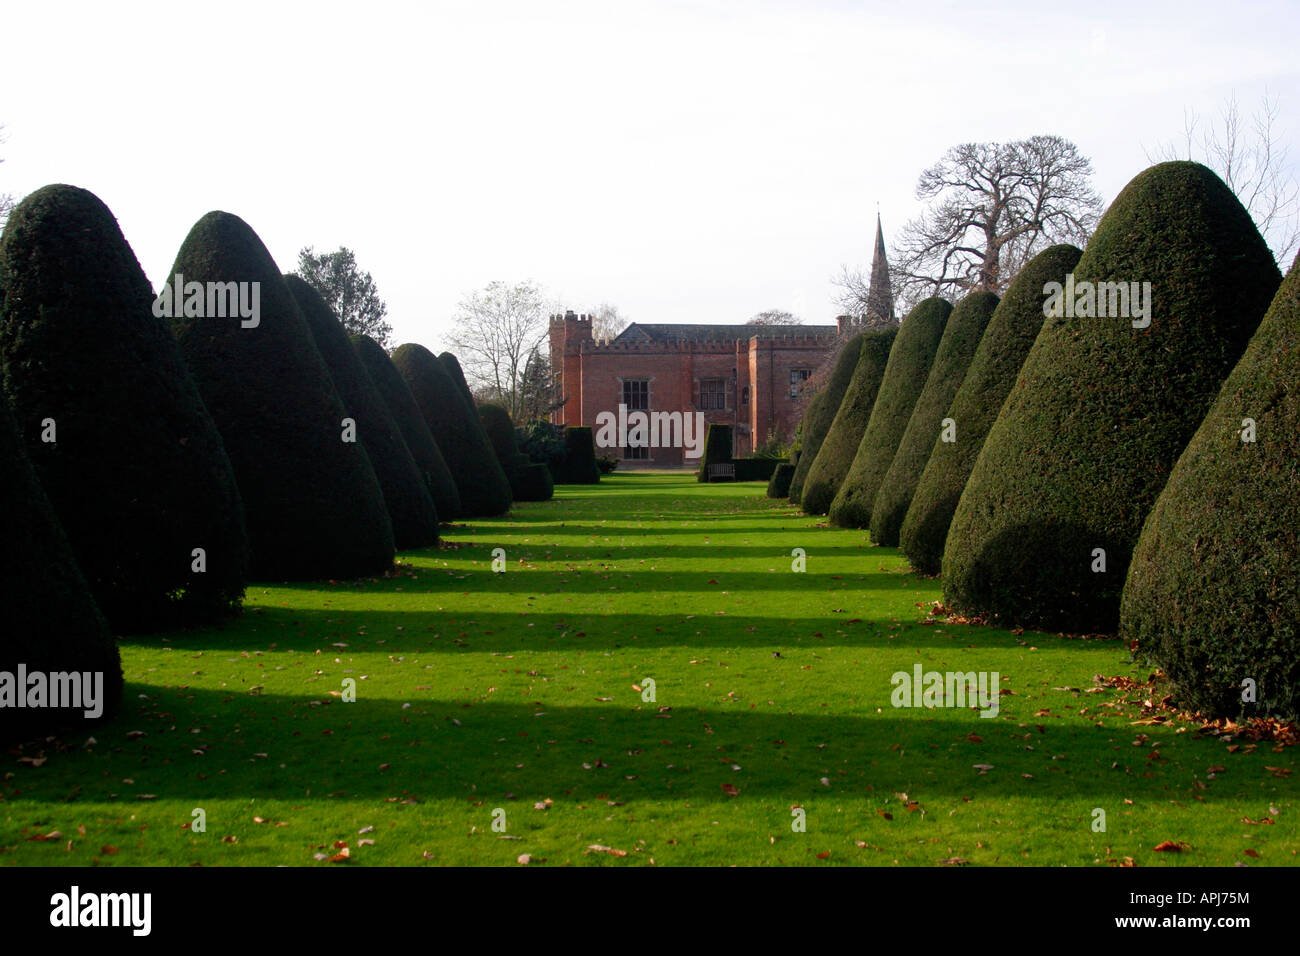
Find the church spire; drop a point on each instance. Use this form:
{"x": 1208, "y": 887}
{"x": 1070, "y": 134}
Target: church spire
{"x": 880, "y": 299}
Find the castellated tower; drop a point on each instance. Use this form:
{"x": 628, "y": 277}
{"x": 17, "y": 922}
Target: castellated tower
{"x": 568, "y": 333}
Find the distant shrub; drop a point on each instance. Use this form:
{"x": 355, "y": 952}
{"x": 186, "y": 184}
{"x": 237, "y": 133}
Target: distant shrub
{"x": 483, "y": 486}
{"x": 778, "y": 485}
{"x": 579, "y": 464}
{"x": 410, "y": 421}
{"x": 819, "y": 414}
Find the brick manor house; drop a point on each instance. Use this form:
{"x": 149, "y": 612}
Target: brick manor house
{"x": 746, "y": 376}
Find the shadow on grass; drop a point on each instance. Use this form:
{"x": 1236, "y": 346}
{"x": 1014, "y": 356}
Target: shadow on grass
{"x": 476, "y": 631}
{"x": 374, "y": 748}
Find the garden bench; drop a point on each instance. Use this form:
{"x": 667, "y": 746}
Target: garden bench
{"x": 725, "y": 470}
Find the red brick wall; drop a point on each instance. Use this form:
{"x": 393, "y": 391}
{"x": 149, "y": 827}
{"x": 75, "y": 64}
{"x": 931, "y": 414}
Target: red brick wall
{"x": 592, "y": 377}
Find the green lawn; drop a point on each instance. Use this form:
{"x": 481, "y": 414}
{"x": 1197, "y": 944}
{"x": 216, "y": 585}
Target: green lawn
{"x": 478, "y": 692}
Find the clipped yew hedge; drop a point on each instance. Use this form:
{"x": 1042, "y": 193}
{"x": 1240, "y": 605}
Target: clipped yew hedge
{"x": 819, "y": 414}
{"x": 410, "y": 422}
{"x": 1103, "y": 407}
{"x": 961, "y": 338}
{"x": 313, "y": 504}
{"x": 778, "y": 486}
{"x": 1001, "y": 353}
{"x": 51, "y": 622}
{"x": 1213, "y": 591}
{"x": 578, "y": 466}
{"x": 410, "y": 505}
{"x": 835, "y": 456}
{"x": 483, "y": 487}
{"x": 136, "y": 471}
{"x": 908, "y": 368}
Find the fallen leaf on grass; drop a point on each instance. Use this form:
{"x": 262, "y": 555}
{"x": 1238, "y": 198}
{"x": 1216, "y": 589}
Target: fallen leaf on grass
{"x": 730, "y": 790}
{"x": 1169, "y": 846}
{"x": 824, "y": 856}
{"x": 953, "y": 861}
{"x": 886, "y": 814}
{"x": 598, "y": 848}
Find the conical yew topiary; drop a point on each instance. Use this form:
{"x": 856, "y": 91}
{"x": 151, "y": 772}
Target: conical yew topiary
{"x": 452, "y": 365}
{"x": 51, "y": 622}
{"x": 1213, "y": 591}
{"x": 835, "y": 456}
{"x": 410, "y": 505}
{"x": 910, "y": 359}
{"x": 778, "y": 486}
{"x": 961, "y": 338}
{"x": 821, "y": 411}
{"x": 579, "y": 464}
{"x": 121, "y": 440}
{"x": 1118, "y": 379}
{"x": 992, "y": 372}
{"x": 484, "y": 490}
{"x": 528, "y": 481}
{"x": 313, "y": 503}
{"x": 410, "y": 421}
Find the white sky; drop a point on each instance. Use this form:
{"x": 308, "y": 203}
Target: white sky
{"x": 689, "y": 162}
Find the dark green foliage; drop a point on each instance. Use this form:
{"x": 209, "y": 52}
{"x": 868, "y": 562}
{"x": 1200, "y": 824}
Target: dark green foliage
{"x": 410, "y": 505}
{"x": 533, "y": 482}
{"x": 1101, "y": 410}
{"x": 526, "y": 483}
{"x": 831, "y": 465}
{"x": 1213, "y": 593}
{"x": 483, "y": 486}
{"x": 819, "y": 414}
{"x": 138, "y": 475}
{"x": 313, "y": 503}
{"x": 905, "y": 375}
{"x": 500, "y": 431}
{"x": 779, "y": 484}
{"x": 579, "y": 464}
{"x": 410, "y": 422}
{"x": 961, "y": 338}
{"x": 51, "y": 623}
{"x": 757, "y": 468}
{"x": 992, "y": 372}
{"x": 607, "y": 464}
{"x": 452, "y": 365}
{"x": 717, "y": 449}
{"x": 541, "y": 441}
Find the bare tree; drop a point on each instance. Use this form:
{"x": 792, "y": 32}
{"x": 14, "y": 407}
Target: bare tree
{"x": 775, "y": 317}
{"x": 854, "y": 298}
{"x": 606, "y": 322}
{"x": 497, "y": 328}
{"x": 992, "y": 207}
{"x": 1254, "y": 164}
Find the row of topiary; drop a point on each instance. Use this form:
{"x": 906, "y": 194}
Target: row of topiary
{"x": 1127, "y": 463}
{"x": 158, "y": 452}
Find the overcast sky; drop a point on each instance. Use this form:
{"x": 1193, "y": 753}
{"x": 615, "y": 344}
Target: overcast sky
{"x": 688, "y": 162}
